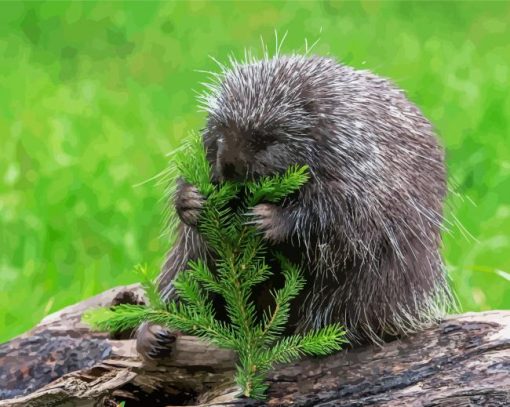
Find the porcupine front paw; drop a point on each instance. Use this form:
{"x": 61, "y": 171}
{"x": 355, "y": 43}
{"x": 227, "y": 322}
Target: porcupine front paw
{"x": 188, "y": 203}
{"x": 154, "y": 341}
{"x": 267, "y": 218}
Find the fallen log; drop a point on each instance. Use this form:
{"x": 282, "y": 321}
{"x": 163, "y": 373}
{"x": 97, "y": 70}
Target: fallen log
{"x": 463, "y": 361}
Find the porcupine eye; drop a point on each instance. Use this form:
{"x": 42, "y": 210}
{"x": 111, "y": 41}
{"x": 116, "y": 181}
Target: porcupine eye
{"x": 261, "y": 141}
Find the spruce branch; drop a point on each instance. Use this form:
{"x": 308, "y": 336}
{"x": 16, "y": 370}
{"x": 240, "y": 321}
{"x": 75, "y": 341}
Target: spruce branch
{"x": 196, "y": 171}
{"x": 275, "y": 319}
{"x": 274, "y": 189}
{"x": 118, "y": 318}
{"x": 151, "y": 291}
{"x": 190, "y": 291}
{"x": 204, "y": 276}
{"x": 241, "y": 263}
{"x": 319, "y": 342}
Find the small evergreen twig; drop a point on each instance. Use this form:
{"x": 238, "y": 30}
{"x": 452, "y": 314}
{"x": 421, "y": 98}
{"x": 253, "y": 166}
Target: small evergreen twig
{"x": 241, "y": 264}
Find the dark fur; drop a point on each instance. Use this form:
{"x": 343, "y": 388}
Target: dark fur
{"x": 366, "y": 227}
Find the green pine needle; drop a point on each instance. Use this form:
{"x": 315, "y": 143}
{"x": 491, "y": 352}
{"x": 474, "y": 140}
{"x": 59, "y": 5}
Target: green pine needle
{"x": 151, "y": 291}
{"x": 274, "y": 189}
{"x": 118, "y": 318}
{"x": 196, "y": 169}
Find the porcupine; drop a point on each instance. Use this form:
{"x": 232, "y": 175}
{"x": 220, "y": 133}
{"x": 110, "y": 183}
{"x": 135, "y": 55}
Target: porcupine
{"x": 365, "y": 227}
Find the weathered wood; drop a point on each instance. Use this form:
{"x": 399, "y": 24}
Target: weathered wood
{"x": 463, "y": 361}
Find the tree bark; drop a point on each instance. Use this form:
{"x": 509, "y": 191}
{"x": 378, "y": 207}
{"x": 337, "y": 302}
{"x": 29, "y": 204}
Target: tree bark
{"x": 463, "y": 361}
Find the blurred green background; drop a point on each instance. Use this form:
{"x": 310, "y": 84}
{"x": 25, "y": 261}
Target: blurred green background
{"x": 94, "y": 94}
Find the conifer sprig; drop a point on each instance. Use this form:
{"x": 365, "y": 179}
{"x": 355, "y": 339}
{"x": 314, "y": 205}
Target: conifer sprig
{"x": 275, "y": 188}
{"x": 241, "y": 263}
{"x": 151, "y": 291}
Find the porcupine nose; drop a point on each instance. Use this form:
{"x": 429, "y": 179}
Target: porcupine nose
{"x": 233, "y": 170}
{"x": 228, "y": 170}
{"x": 231, "y": 163}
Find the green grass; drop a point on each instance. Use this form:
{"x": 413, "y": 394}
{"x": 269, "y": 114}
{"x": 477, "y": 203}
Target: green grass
{"x": 94, "y": 94}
